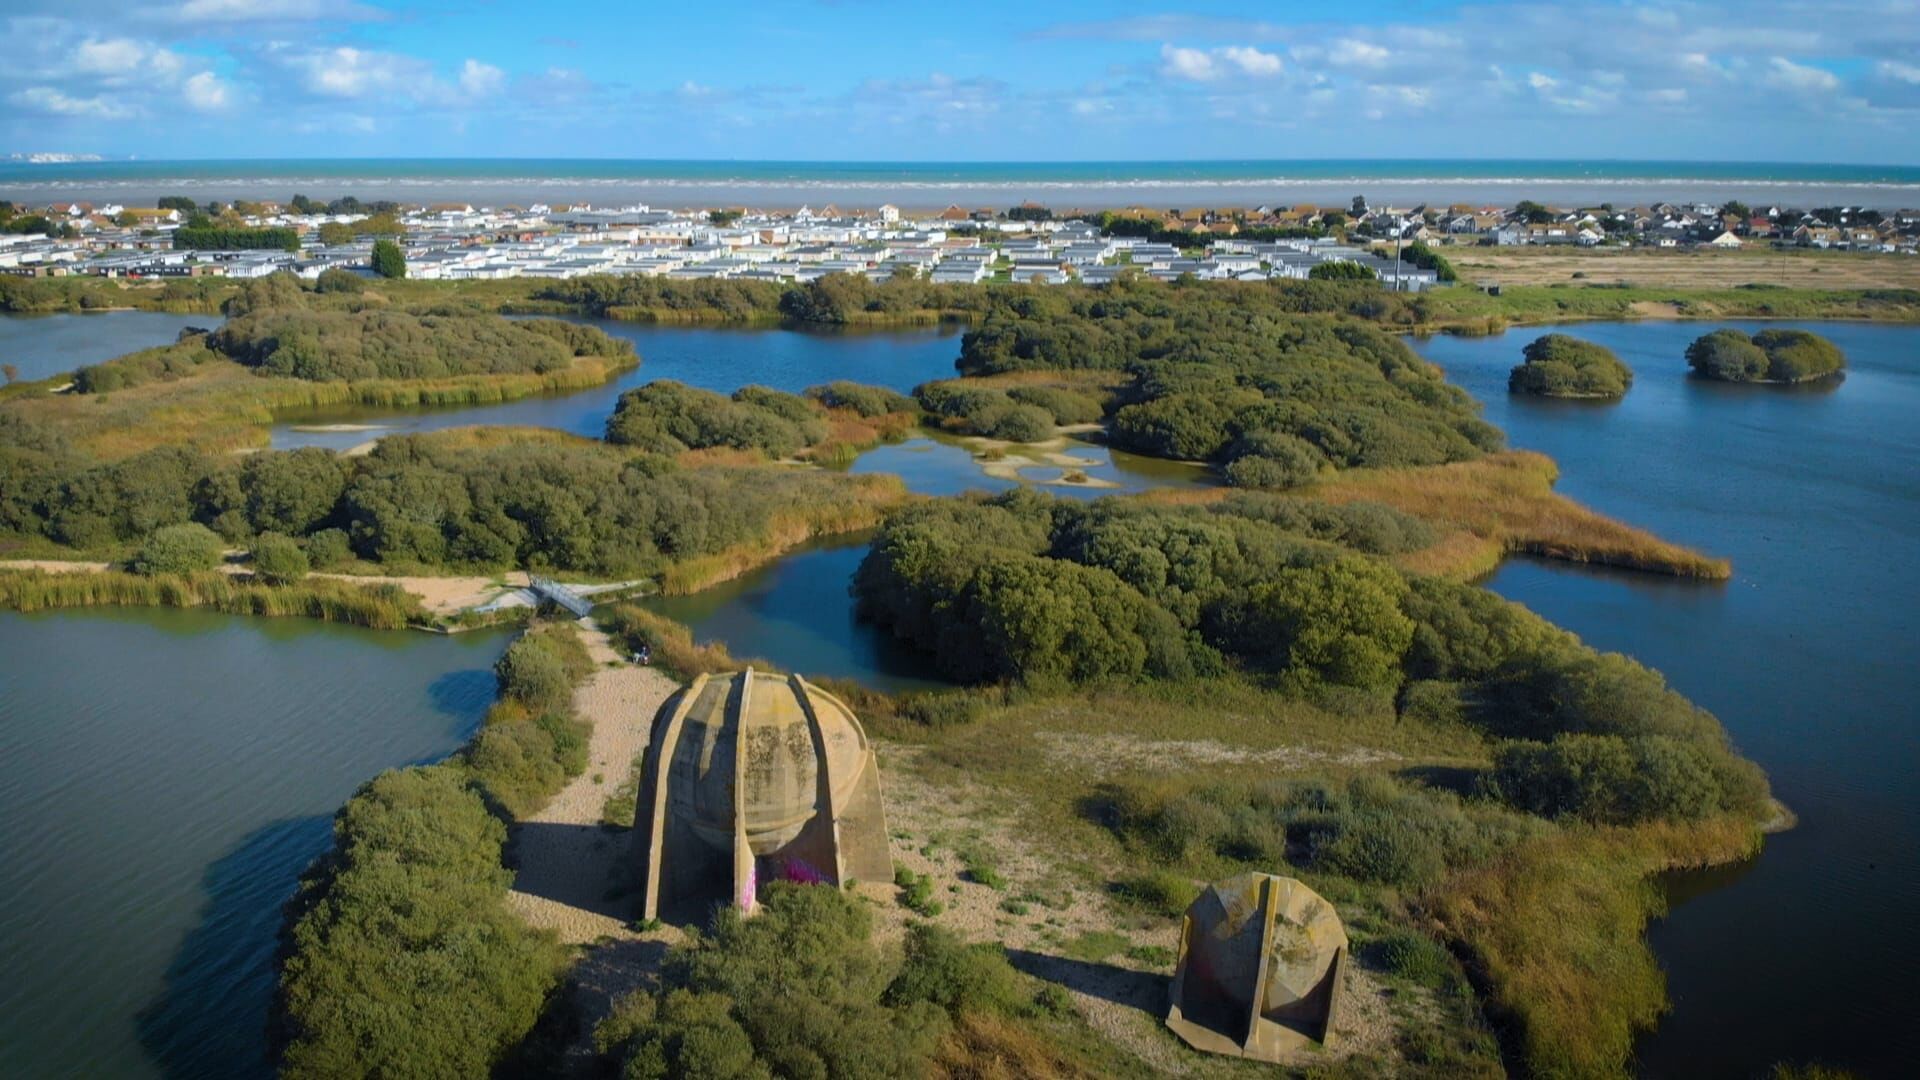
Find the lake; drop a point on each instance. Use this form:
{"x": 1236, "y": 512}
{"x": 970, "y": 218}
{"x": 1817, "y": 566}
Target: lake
{"x": 722, "y": 359}
{"x": 1806, "y": 655}
{"x": 167, "y": 776}
{"x": 43, "y": 345}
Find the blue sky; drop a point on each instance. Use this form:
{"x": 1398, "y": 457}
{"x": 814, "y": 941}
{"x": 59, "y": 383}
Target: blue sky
{"x": 1806, "y": 80}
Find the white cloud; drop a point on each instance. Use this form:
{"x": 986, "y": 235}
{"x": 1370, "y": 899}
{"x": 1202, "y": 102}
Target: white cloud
{"x": 1541, "y": 82}
{"x": 197, "y": 11}
{"x": 481, "y": 80}
{"x": 46, "y": 99}
{"x": 1895, "y": 71}
{"x": 350, "y": 74}
{"x": 111, "y": 57}
{"x": 1799, "y": 78}
{"x": 1182, "y": 63}
{"x": 1252, "y": 60}
{"x": 206, "y": 92}
{"x": 1352, "y": 52}
{"x": 1206, "y": 65}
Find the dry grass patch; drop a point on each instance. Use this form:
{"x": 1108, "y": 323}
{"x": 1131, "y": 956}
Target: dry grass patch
{"x": 1505, "y": 503}
{"x": 1553, "y": 933}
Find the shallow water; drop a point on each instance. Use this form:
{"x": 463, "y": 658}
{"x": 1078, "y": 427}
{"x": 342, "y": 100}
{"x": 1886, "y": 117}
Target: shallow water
{"x": 722, "y": 359}
{"x": 43, "y": 345}
{"x": 165, "y": 776}
{"x": 1813, "y": 492}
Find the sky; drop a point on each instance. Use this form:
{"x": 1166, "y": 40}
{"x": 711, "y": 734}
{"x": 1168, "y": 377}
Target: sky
{"x": 1817, "y": 81}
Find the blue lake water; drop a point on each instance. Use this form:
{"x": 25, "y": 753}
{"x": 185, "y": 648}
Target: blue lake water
{"x": 1807, "y": 656}
{"x": 165, "y": 776}
{"x": 43, "y": 345}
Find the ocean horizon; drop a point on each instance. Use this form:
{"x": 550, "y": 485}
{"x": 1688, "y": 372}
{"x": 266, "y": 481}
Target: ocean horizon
{"x": 924, "y": 184}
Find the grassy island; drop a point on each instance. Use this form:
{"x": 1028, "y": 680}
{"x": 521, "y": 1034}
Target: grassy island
{"x": 1770, "y": 356}
{"x": 1557, "y": 365}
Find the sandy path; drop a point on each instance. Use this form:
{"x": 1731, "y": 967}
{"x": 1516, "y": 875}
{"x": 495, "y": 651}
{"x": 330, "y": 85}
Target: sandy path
{"x": 571, "y": 872}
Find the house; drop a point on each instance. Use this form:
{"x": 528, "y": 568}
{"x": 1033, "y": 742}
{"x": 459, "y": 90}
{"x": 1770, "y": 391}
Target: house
{"x": 953, "y": 213}
{"x": 889, "y": 214}
{"x": 1726, "y": 239}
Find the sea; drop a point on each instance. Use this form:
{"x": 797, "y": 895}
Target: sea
{"x": 998, "y": 184}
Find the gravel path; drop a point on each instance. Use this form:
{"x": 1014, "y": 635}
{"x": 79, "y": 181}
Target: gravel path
{"x": 572, "y": 874}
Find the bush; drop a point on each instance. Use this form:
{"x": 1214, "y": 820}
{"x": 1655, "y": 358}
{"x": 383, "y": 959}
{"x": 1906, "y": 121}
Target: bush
{"x": 668, "y": 417}
{"x": 799, "y": 989}
{"x": 1016, "y": 423}
{"x": 1339, "y": 622}
{"x": 1341, "y": 271}
{"x": 1613, "y": 780}
{"x": 1768, "y": 356}
{"x": 179, "y": 549}
{"x": 939, "y": 969}
{"x": 403, "y": 959}
{"x": 1560, "y": 366}
{"x": 1414, "y": 957}
{"x": 327, "y": 548}
{"x": 337, "y": 280}
{"x": 1065, "y": 406}
{"x": 868, "y": 401}
{"x": 1269, "y": 459}
{"x": 1161, "y": 891}
{"x": 279, "y": 559}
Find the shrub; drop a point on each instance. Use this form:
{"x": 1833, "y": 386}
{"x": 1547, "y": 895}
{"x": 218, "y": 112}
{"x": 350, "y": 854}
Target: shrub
{"x": 1269, "y": 459}
{"x": 1341, "y": 270}
{"x": 179, "y": 549}
{"x": 797, "y": 990}
{"x": 941, "y": 970}
{"x": 1339, "y": 622}
{"x": 1015, "y": 423}
{"x": 335, "y": 279}
{"x": 668, "y": 417}
{"x": 1728, "y": 355}
{"x": 279, "y": 559}
{"x": 1065, "y": 406}
{"x": 868, "y": 401}
{"x": 327, "y": 548}
{"x": 1560, "y": 366}
{"x": 403, "y": 959}
{"x": 1160, "y": 891}
{"x": 1613, "y": 780}
{"x": 1414, "y": 957}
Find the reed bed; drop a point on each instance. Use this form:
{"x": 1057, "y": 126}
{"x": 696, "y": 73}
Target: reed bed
{"x": 1573, "y": 992}
{"x": 875, "y": 496}
{"x": 1505, "y": 503}
{"x": 378, "y": 607}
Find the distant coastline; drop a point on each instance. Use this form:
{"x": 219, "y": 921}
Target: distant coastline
{"x": 917, "y": 185}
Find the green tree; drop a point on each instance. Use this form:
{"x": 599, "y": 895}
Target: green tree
{"x": 388, "y": 260}
{"x": 179, "y": 549}
{"x": 182, "y": 203}
{"x": 279, "y": 559}
{"x": 1342, "y": 270}
{"x": 336, "y": 279}
{"x": 1557, "y": 365}
{"x": 1339, "y": 622}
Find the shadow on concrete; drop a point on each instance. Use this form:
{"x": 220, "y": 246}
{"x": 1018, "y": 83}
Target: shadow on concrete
{"x": 211, "y": 1017}
{"x": 1142, "y": 990}
{"x": 557, "y": 861}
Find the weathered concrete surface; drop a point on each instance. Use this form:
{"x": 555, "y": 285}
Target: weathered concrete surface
{"x": 1260, "y": 964}
{"x": 750, "y": 777}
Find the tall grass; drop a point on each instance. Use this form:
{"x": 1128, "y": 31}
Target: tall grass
{"x": 876, "y": 495}
{"x": 1505, "y": 503}
{"x": 1552, "y": 933}
{"x": 222, "y": 406}
{"x": 674, "y": 650}
{"x": 380, "y": 607}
